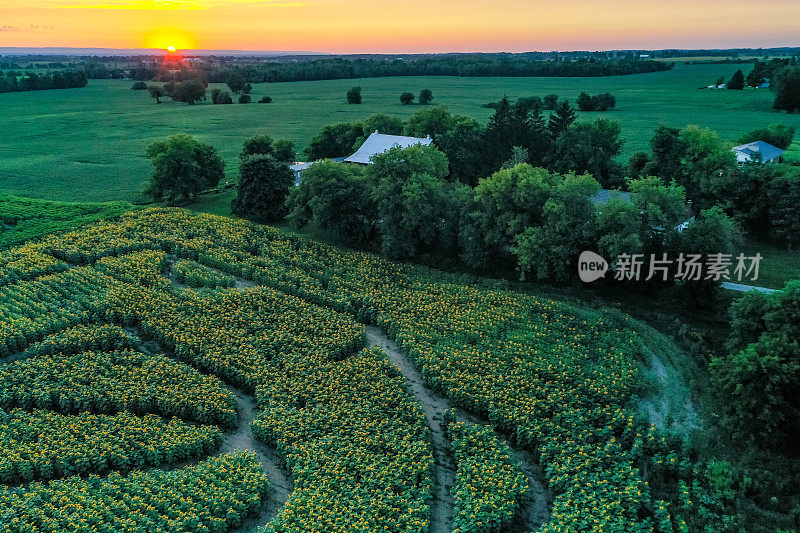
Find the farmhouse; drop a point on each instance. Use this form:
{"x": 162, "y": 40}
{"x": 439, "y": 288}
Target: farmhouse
{"x": 757, "y": 151}
{"x": 376, "y": 144}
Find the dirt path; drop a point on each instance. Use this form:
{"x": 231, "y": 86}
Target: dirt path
{"x": 534, "y": 506}
{"x": 241, "y": 438}
{"x": 434, "y": 408}
{"x": 280, "y": 483}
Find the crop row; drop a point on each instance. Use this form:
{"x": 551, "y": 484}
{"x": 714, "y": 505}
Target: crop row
{"x": 213, "y": 496}
{"x": 111, "y": 382}
{"x": 355, "y": 441}
{"x": 233, "y": 334}
{"x": 44, "y": 445}
{"x": 195, "y": 275}
{"x": 82, "y": 338}
{"x": 145, "y": 267}
{"x": 31, "y": 310}
{"x": 26, "y": 262}
{"x": 489, "y": 483}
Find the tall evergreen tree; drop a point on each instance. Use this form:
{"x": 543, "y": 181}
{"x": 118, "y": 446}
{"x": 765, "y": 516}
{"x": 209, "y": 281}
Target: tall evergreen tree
{"x": 562, "y": 119}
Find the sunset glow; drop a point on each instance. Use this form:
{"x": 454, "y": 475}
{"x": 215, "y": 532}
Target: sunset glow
{"x": 413, "y": 26}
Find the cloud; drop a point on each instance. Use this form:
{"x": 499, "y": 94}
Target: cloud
{"x": 6, "y": 27}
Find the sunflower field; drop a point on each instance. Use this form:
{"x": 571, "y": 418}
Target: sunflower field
{"x": 93, "y": 332}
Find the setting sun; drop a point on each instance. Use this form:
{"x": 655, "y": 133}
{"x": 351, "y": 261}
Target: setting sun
{"x": 171, "y": 48}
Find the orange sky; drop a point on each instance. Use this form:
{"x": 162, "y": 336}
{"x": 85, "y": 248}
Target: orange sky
{"x": 400, "y": 25}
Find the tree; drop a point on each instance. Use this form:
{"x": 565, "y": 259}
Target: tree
{"x": 778, "y": 135}
{"x": 787, "y": 89}
{"x": 236, "y": 83}
{"x": 619, "y": 224}
{"x": 283, "y": 151}
{"x": 265, "y": 100}
{"x": 712, "y": 232}
{"x": 433, "y": 121}
{"x": 425, "y": 96}
{"x": 189, "y": 92}
{"x": 336, "y": 198}
{"x": 515, "y": 125}
{"x": 411, "y": 198}
{"x": 562, "y": 119}
{"x": 139, "y": 86}
{"x": 220, "y": 97}
{"x": 551, "y": 251}
{"x": 707, "y": 166}
{"x": 550, "y": 101}
{"x": 593, "y": 148}
{"x": 669, "y": 151}
{"x": 354, "y": 95}
{"x": 335, "y": 140}
{"x": 264, "y": 184}
{"x": 784, "y": 215}
{"x": 736, "y": 82}
{"x": 244, "y": 98}
{"x": 637, "y": 165}
{"x": 504, "y": 204}
{"x": 182, "y": 168}
{"x": 585, "y": 102}
{"x": 604, "y": 102}
{"x": 257, "y": 145}
{"x": 157, "y": 92}
{"x": 386, "y": 124}
{"x": 407, "y": 98}
{"x": 759, "y": 381}
{"x": 462, "y": 144}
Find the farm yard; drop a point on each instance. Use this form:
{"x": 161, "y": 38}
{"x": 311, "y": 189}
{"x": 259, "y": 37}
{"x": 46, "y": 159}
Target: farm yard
{"x": 89, "y": 144}
{"x": 388, "y": 397}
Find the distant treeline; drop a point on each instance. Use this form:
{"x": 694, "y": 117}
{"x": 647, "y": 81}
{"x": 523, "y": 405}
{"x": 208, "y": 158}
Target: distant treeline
{"x": 465, "y": 66}
{"x": 15, "y": 81}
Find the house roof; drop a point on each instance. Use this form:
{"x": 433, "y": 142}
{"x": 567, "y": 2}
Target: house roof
{"x": 606, "y": 195}
{"x": 378, "y": 143}
{"x": 748, "y": 152}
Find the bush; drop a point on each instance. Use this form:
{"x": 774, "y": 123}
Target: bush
{"x": 265, "y": 100}
{"x": 354, "y": 95}
{"x": 220, "y": 97}
{"x": 550, "y": 102}
{"x": 139, "y": 86}
{"x": 406, "y": 98}
{"x": 244, "y": 98}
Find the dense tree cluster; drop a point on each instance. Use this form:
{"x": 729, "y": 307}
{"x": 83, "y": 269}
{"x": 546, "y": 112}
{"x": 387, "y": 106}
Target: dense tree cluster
{"x": 15, "y": 81}
{"x": 463, "y": 65}
{"x": 182, "y": 168}
{"x": 600, "y": 102}
{"x": 760, "y": 377}
{"x": 758, "y": 196}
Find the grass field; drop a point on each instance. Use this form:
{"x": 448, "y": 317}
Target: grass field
{"x": 88, "y": 144}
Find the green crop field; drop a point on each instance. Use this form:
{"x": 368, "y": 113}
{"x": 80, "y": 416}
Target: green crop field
{"x": 358, "y": 378}
{"x": 88, "y": 144}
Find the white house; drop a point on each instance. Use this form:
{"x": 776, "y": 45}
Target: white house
{"x": 378, "y": 143}
{"x": 757, "y": 151}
